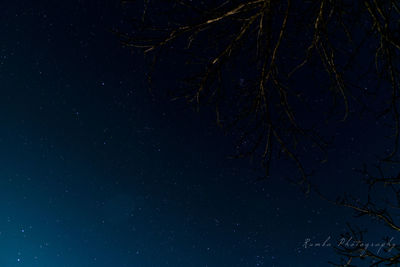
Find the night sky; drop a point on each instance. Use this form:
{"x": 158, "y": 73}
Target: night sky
{"x": 98, "y": 171}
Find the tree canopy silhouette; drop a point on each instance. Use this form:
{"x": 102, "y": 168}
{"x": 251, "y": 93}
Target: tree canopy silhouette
{"x": 280, "y": 72}
{"x": 250, "y": 58}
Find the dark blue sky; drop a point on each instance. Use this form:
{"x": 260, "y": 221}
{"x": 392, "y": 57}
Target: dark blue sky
{"x": 95, "y": 171}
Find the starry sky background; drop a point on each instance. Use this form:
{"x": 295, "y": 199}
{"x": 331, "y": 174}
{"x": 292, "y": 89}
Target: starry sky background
{"x": 96, "y": 171}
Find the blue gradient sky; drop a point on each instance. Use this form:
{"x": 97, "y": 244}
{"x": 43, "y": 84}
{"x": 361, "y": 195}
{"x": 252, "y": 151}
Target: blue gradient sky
{"x": 94, "y": 171}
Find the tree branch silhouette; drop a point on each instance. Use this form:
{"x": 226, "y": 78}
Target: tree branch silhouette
{"x": 249, "y": 58}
